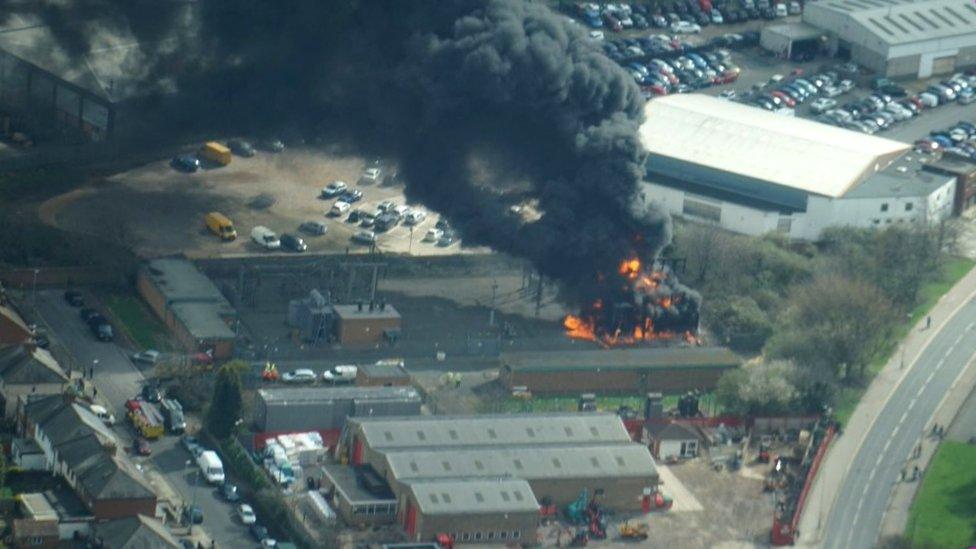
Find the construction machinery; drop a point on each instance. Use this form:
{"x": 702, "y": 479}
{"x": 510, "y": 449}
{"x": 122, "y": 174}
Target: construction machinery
{"x": 581, "y": 539}
{"x": 586, "y": 511}
{"x": 633, "y": 531}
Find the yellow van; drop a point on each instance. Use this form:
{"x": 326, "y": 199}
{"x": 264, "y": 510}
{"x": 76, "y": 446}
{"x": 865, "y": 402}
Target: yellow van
{"x": 220, "y": 225}
{"x": 215, "y": 152}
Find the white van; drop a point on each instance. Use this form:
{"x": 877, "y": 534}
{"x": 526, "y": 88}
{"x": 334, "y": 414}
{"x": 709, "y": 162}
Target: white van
{"x": 107, "y": 417}
{"x": 340, "y": 374}
{"x": 211, "y": 467}
{"x": 265, "y": 237}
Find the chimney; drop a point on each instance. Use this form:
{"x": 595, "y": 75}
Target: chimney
{"x": 654, "y": 406}
{"x": 383, "y": 305}
{"x": 371, "y": 306}
{"x": 359, "y": 305}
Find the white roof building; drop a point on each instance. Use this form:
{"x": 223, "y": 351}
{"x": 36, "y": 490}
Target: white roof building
{"x": 754, "y": 172}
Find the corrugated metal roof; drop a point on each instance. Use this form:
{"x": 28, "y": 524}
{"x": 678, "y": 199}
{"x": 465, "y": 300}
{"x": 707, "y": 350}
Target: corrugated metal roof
{"x": 616, "y": 359}
{"x": 748, "y": 141}
{"x": 526, "y": 462}
{"x": 491, "y": 430}
{"x": 896, "y": 22}
{"x": 457, "y": 497}
{"x": 305, "y": 395}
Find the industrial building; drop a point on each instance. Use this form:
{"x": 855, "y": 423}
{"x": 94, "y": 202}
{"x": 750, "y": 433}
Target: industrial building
{"x": 430, "y": 462}
{"x": 899, "y": 38}
{"x": 755, "y": 172}
{"x": 118, "y": 88}
{"x": 792, "y": 40}
{"x": 190, "y": 305}
{"x": 964, "y": 171}
{"x": 498, "y": 510}
{"x": 283, "y": 410}
{"x": 668, "y": 370}
{"x": 382, "y": 373}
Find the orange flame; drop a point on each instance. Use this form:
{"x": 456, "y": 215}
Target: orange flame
{"x": 578, "y": 328}
{"x": 630, "y": 268}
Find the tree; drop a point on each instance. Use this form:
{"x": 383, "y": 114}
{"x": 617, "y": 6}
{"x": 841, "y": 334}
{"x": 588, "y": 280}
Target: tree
{"x": 759, "y": 387}
{"x": 834, "y": 324}
{"x": 227, "y": 404}
{"x": 738, "y": 321}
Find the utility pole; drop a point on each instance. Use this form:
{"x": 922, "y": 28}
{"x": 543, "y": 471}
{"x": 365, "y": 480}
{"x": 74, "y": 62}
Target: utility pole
{"x": 491, "y": 314}
{"x": 538, "y": 296}
{"x": 374, "y": 282}
{"x": 34, "y": 291}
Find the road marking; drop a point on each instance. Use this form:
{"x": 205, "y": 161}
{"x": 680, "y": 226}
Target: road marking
{"x": 970, "y": 327}
{"x": 931, "y": 375}
{"x": 903, "y": 416}
{"x": 911, "y": 403}
{"x": 887, "y": 444}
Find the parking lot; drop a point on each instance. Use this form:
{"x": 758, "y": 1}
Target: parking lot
{"x": 159, "y": 210}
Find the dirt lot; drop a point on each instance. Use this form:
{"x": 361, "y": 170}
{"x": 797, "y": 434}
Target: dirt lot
{"x": 158, "y": 210}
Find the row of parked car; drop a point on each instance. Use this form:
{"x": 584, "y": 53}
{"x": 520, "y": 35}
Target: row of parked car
{"x": 891, "y": 104}
{"x": 959, "y": 139}
{"x": 788, "y": 92}
{"x": 681, "y": 16}
{"x": 686, "y": 73}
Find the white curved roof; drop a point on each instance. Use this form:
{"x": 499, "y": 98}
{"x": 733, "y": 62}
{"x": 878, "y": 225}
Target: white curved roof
{"x": 751, "y": 142}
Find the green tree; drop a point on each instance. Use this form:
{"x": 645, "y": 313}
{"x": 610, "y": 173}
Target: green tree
{"x": 738, "y": 321}
{"x": 834, "y": 325}
{"x": 227, "y": 404}
{"x": 759, "y": 387}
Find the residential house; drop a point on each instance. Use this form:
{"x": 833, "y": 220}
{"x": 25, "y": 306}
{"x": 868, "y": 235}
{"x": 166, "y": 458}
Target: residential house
{"x": 672, "y": 439}
{"x": 24, "y": 370}
{"x": 138, "y": 532}
{"x": 13, "y": 329}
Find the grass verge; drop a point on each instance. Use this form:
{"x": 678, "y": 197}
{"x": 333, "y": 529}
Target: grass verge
{"x": 954, "y": 269}
{"x": 137, "y": 321}
{"x": 943, "y": 510}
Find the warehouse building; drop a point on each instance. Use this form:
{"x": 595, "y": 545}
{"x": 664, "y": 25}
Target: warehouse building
{"x": 899, "y": 38}
{"x": 108, "y": 91}
{"x": 520, "y": 464}
{"x": 382, "y": 373}
{"x": 618, "y": 371}
{"x": 190, "y": 305}
{"x": 501, "y": 510}
{"x": 755, "y": 172}
{"x": 284, "y": 410}
{"x": 964, "y": 172}
{"x": 794, "y": 41}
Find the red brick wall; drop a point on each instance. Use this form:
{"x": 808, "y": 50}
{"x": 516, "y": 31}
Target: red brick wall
{"x": 11, "y": 332}
{"x": 363, "y": 332}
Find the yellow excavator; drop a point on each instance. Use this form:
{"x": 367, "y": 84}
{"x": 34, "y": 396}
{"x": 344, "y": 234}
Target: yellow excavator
{"x": 633, "y": 531}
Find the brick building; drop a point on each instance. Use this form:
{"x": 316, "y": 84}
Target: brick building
{"x": 363, "y": 325}
{"x": 13, "y": 329}
{"x": 619, "y": 371}
{"x": 25, "y": 370}
{"x": 190, "y": 305}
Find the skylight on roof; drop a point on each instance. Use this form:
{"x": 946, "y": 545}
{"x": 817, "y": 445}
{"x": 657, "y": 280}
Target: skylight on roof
{"x": 479, "y": 497}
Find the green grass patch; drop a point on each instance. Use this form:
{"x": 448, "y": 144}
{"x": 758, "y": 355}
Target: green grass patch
{"x": 138, "y": 322}
{"x": 510, "y": 405}
{"x": 943, "y": 510}
{"x": 954, "y": 269}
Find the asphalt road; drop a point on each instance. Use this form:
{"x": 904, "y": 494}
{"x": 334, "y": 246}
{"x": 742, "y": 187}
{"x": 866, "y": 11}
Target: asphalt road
{"x": 856, "y": 517}
{"x": 118, "y": 380}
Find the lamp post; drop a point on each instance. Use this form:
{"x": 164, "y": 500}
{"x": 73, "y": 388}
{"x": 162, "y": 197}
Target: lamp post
{"x": 34, "y": 291}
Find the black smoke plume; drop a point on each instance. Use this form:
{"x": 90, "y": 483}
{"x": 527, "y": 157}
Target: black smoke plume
{"x": 457, "y": 91}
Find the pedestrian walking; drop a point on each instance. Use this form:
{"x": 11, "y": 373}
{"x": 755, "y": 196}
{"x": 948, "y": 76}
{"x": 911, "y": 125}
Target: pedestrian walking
{"x": 94, "y": 392}
{"x": 902, "y": 478}
{"x": 915, "y": 473}
{"x": 928, "y": 322}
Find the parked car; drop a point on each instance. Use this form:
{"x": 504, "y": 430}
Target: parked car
{"x": 149, "y": 356}
{"x": 351, "y": 196}
{"x": 301, "y": 375}
{"x": 822, "y": 104}
{"x": 246, "y": 514}
{"x": 185, "y": 163}
{"x": 316, "y": 228}
{"x": 273, "y": 144}
{"x": 341, "y": 373}
{"x": 334, "y": 189}
{"x": 259, "y": 532}
{"x": 415, "y": 217}
{"x": 265, "y": 238}
{"x": 293, "y": 243}
{"x": 433, "y": 235}
{"x": 151, "y": 392}
{"x": 684, "y": 27}
{"x": 74, "y": 298}
{"x": 102, "y": 330}
{"x": 229, "y": 492}
{"x": 191, "y": 444}
{"x": 340, "y": 207}
{"x": 193, "y": 514}
{"x": 967, "y": 96}
{"x": 446, "y": 239}
{"x": 241, "y": 148}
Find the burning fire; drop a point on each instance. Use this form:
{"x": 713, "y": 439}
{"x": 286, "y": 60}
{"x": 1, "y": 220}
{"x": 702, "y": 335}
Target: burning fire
{"x": 637, "y": 328}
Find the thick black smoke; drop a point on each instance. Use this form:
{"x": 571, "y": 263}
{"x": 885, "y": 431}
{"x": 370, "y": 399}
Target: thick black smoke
{"x": 440, "y": 85}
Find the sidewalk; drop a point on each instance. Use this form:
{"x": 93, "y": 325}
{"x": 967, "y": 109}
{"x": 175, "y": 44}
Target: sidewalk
{"x": 835, "y": 467}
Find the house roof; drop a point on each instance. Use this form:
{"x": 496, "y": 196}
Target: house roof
{"x": 27, "y": 365}
{"x": 37, "y": 507}
{"x": 138, "y": 532}
{"x": 192, "y": 297}
{"x": 618, "y": 359}
{"x": 10, "y": 315}
{"x": 627, "y": 460}
{"x": 30, "y": 528}
{"x": 756, "y": 144}
{"x": 671, "y": 431}
{"x": 108, "y": 477}
{"x": 391, "y": 433}
{"x": 473, "y": 496}
{"x": 25, "y": 447}
{"x": 896, "y": 22}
